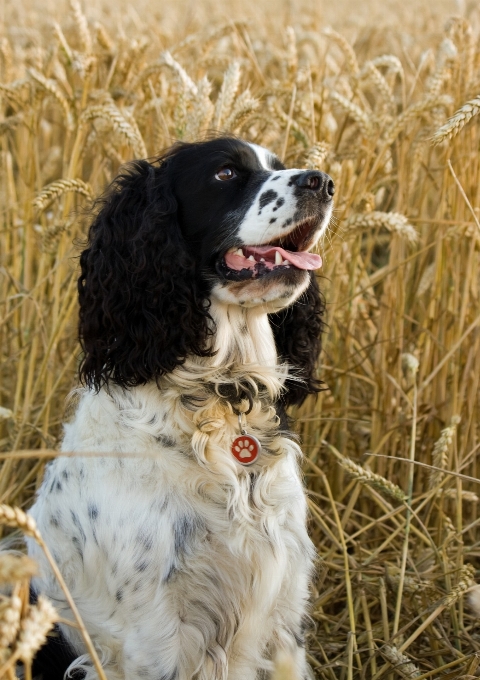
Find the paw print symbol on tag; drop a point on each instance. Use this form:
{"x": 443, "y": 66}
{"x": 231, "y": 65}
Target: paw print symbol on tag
{"x": 246, "y": 449}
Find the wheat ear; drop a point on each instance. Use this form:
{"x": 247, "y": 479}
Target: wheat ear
{"x": 34, "y": 628}
{"x": 245, "y": 105}
{"x": 371, "y": 479}
{"x": 10, "y": 615}
{"x": 11, "y": 92}
{"x": 82, "y": 26}
{"x": 441, "y": 451}
{"x": 412, "y": 113}
{"x": 67, "y": 50}
{"x": 317, "y": 155}
{"x": 226, "y": 96}
{"x": 14, "y": 517}
{"x": 371, "y": 75}
{"x": 180, "y": 72}
{"x": 111, "y": 114}
{"x": 7, "y": 58}
{"x": 103, "y": 39}
{"x": 56, "y": 189}
{"x": 16, "y": 568}
{"x": 465, "y": 580}
{"x": 361, "y": 117}
{"x": 390, "y": 62}
{"x": 347, "y": 49}
{"x": 394, "y": 222}
{"x": 201, "y": 116}
{"x": 401, "y": 662}
{"x": 52, "y": 88}
{"x": 456, "y": 122}
{"x": 11, "y": 122}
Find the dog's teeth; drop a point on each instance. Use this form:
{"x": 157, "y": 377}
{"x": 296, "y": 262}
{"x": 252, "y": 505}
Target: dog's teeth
{"x": 251, "y": 258}
{"x": 278, "y": 258}
{"x": 239, "y": 252}
{"x": 285, "y": 262}
{"x": 262, "y": 259}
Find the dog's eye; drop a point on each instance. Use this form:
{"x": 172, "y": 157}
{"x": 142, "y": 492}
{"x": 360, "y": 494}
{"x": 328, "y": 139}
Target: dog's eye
{"x": 225, "y": 174}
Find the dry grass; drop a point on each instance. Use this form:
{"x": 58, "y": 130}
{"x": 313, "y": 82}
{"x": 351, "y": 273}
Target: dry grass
{"x": 392, "y": 445}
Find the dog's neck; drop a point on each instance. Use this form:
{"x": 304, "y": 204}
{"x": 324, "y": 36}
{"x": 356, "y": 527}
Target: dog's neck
{"x": 243, "y": 353}
{"x": 242, "y": 337}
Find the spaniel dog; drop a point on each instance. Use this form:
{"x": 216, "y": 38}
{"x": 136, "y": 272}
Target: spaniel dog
{"x": 183, "y": 540}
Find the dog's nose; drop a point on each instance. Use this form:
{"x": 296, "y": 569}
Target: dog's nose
{"x": 318, "y": 182}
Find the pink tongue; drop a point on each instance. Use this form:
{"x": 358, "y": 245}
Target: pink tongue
{"x": 300, "y": 260}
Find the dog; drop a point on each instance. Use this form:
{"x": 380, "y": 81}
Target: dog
{"x": 183, "y": 540}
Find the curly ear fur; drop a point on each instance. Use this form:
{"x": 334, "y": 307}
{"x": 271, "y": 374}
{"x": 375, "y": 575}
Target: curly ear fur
{"x": 297, "y": 331}
{"x": 142, "y": 307}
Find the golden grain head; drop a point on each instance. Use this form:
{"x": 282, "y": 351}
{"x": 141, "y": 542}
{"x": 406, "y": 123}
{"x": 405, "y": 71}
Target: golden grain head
{"x": 34, "y": 627}
{"x": 17, "y": 518}
{"x": 14, "y": 567}
{"x": 10, "y": 615}
{"x": 400, "y": 662}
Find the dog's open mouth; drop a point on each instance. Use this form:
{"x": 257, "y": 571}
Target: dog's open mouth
{"x": 289, "y": 252}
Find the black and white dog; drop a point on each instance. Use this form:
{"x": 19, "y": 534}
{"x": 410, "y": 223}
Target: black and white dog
{"x": 183, "y": 540}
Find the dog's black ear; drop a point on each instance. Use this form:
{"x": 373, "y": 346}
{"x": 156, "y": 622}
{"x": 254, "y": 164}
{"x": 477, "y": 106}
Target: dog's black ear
{"x": 142, "y": 310}
{"x": 297, "y": 331}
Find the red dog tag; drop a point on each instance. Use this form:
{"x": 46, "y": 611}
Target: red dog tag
{"x": 246, "y": 449}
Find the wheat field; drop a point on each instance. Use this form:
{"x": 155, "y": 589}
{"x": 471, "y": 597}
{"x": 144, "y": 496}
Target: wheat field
{"x": 383, "y": 97}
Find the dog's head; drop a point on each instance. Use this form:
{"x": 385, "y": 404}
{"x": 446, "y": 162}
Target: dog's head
{"x": 221, "y": 219}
